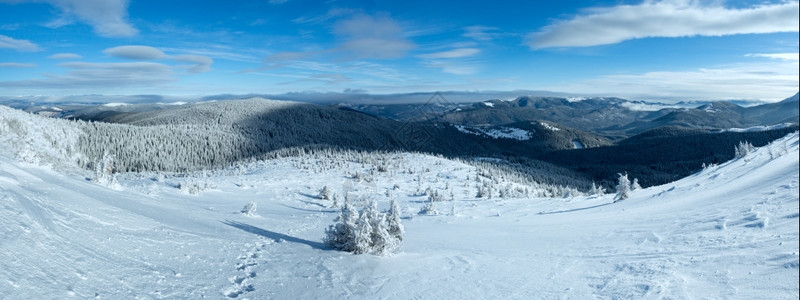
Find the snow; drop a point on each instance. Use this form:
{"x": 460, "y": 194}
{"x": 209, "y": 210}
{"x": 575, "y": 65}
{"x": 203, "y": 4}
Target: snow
{"x": 115, "y": 104}
{"x": 549, "y": 127}
{"x": 760, "y": 128}
{"x": 497, "y": 132}
{"x": 578, "y": 144}
{"x": 489, "y": 104}
{"x": 576, "y": 99}
{"x": 729, "y": 231}
{"x": 646, "y": 106}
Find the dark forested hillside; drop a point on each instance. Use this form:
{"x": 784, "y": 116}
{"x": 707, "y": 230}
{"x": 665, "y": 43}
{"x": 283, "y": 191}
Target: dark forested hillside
{"x": 661, "y": 155}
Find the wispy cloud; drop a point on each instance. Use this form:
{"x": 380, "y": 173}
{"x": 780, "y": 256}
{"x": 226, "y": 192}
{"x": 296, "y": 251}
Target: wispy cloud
{"x": 480, "y": 32}
{"x": 782, "y": 56}
{"x": 108, "y": 18}
{"x": 140, "y": 71}
{"x": 7, "y": 42}
{"x": 372, "y": 37}
{"x": 16, "y": 65}
{"x": 667, "y": 18}
{"x": 764, "y": 81}
{"x": 200, "y": 64}
{"x": 455, "y": 61}
{"x": 329, "y": 15}
{"x": 65, "y": 56}
{"x": 135, "y": 52}
{"x": 455, "y": 53}
{"x": 87, "y": 75}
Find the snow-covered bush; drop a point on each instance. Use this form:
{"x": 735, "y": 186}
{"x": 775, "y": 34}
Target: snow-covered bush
{"x": 27, "y": 154}
{"x": 597, "y": 190}
{"x": 195, "y": 187}
{"x": 335, "y": 202}
{"x": 623, "y": 187}
{"x": 743, "y": 149}
{"x": 325, "y": 193}
{"x": 395, "y": 228}
{"x": 249, "y": 209}
{"x": 104, "y": 171}
{"x": 342, "y": 234}
{"x": 635, "y": 185}
{"x": 369, "y": 231}
{"x": 429, "y": 208}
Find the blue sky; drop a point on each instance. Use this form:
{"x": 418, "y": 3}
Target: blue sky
{"x": 659, "y": 50}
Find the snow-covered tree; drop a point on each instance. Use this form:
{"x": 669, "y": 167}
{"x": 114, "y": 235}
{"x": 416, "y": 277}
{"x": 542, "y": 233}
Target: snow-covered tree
{"x": 743, "y": 149}
{"x": 597, "y": 190}
{"x": 342, "y": 234}
{"x": 363, "y": 234}
{"x": 103, "y": 171}
{"x": 28, "y": 153}
{"x": 369, "y": 232}
{"x": 394, "y": 226}
{"x": 335, "y": 201}
{"x": 325, "y": 193}
{"x": 635, "y": 185}
{"x": 382, "y": 242}
{"x": 623, "y": 187}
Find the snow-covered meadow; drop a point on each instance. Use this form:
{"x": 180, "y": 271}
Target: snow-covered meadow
{"x": 730, "y": 231}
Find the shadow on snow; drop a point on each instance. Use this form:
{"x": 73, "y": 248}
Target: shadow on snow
{"x": 274, "y": 235}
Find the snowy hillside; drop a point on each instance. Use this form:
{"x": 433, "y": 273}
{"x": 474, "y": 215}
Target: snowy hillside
{"x": 730, "y": 231}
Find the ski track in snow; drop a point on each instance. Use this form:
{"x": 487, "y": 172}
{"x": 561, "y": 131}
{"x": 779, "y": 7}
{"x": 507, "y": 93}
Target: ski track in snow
{"x": 730, "y": 231}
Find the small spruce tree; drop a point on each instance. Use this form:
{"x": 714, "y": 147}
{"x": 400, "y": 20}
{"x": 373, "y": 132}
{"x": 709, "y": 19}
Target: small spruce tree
{"x": 623, "y": 187}
{"x": 635, "y": 185}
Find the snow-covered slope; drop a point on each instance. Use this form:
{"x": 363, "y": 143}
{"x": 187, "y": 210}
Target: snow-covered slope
{"x": 730, "y": 231}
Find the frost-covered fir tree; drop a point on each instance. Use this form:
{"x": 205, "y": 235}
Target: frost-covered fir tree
{"x": 367, "y": 232}
{"x": 335, "y": 201}
{"x": 342, "y": 234}
{"x": 596, "y": 190}
{"x": 325, "y": 193}
{"x": 743, "y": 149}
{"x": 27, "y": 154}
{"x": 393, "y": 225}
{"x": 103, "y": 171}
{"x": 362, "y": 241}
{"x": 623, "y": 187}
{"x": 635, "y": 185}
{"x": 382, "y": 242}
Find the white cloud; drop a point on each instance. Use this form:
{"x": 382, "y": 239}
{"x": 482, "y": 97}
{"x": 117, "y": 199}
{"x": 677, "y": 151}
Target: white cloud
{"x": 200, "y": 64}
{"x": 16, "y": 65}
{"x": 7, "y": 42}
{"x": 65, "y": 56}
{"x": 135, "y": 52}
{"x": 454, "y": 68}
{"x": 763, "y": 81}
{"x": 109, "y": 18}
{"x": 371, "y": 37}
{"x": 455, "y": 61}
{"x": 668, "y": 18}
{"x": 94, "y": 76}
{"x": 455, "y": 53}
{"x": 782, "y": 56}
{"x": 480, "y": 33}
{"x": 86, "y": 75}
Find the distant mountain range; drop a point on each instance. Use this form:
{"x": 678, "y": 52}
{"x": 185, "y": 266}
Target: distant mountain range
{"x": 613, "y": 118}
{"x": 565, "y": 141}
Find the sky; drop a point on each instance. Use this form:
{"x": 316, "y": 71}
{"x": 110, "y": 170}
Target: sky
{"x": 650, "y": 50}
